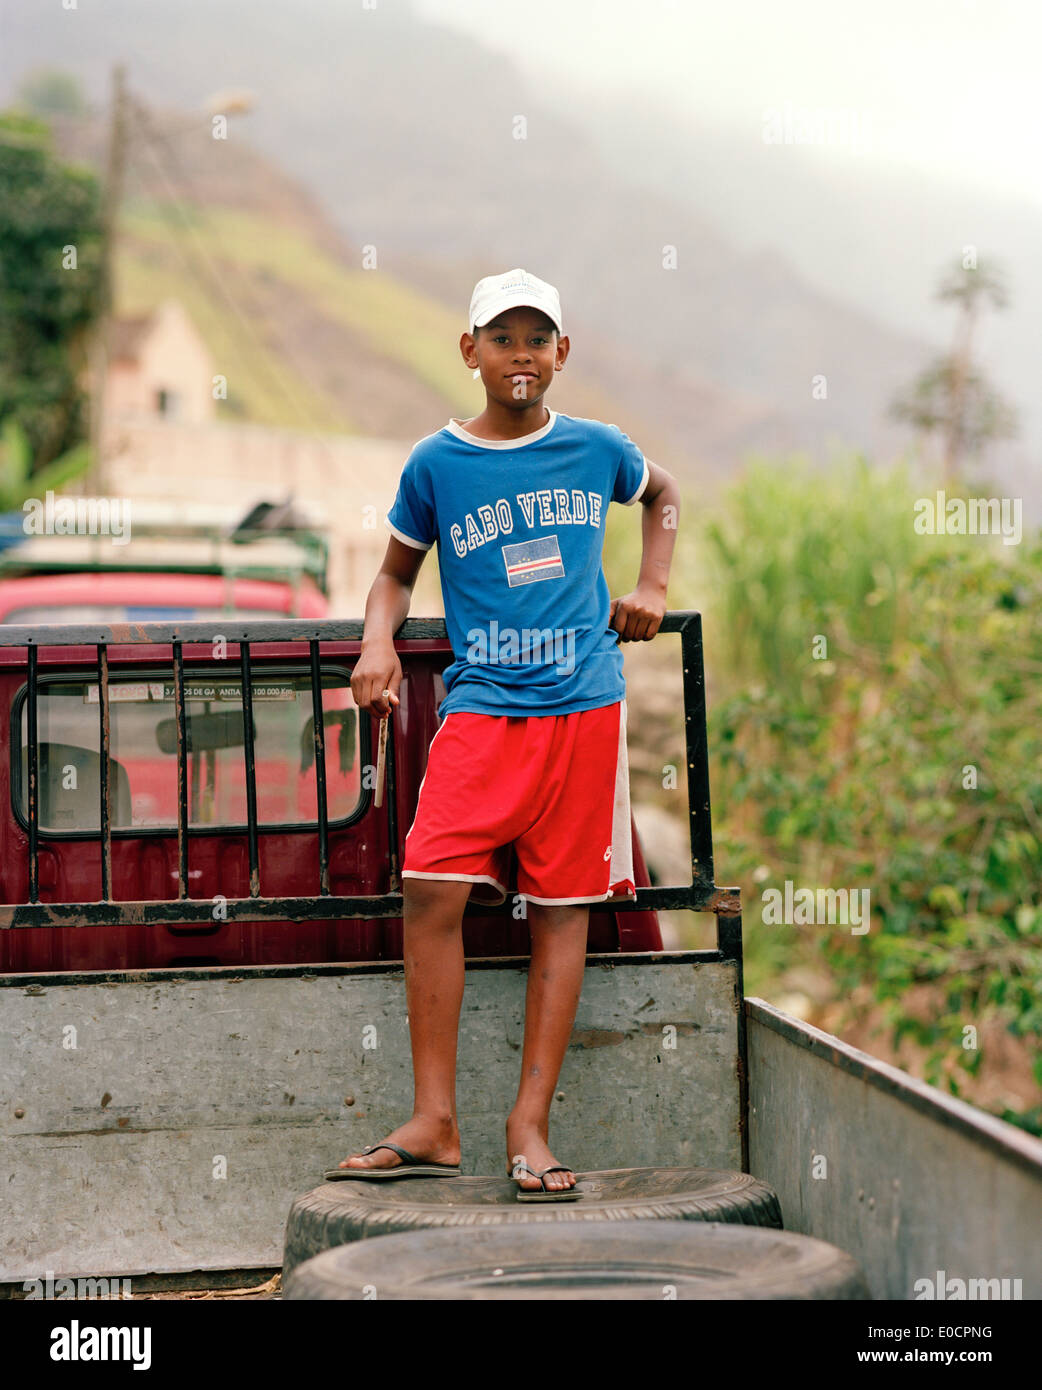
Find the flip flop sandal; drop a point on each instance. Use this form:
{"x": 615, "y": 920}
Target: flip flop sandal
{"x": 410, "y": 1167}
{"x": 562, "y": 1194}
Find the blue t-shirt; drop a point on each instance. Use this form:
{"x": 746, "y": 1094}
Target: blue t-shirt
{"x": 519, "y": 526}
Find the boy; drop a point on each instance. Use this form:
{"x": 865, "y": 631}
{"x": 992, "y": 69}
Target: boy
{"x": 530, "y": 754}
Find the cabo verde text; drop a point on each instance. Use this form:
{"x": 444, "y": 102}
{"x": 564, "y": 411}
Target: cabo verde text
{"x": 545, "y": 507}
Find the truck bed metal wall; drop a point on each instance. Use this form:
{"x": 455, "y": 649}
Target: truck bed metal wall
{"x": 164, "y": 1120}
{"x": 915, "y": 1184}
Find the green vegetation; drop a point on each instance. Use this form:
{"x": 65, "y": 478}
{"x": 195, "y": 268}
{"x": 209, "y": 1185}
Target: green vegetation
{"x": 395, "y": 321}
{"x": 218, "y": 265}
{"x": 52, "y": 92}
{"x": 18, "y": 481}
{"x": 50, "y": 239}
{"x": 902, "y": 756}
{"x": 801, "y": 553}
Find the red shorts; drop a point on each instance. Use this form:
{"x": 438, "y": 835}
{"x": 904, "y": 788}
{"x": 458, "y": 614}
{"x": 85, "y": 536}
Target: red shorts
{"x": 548, "y": 794}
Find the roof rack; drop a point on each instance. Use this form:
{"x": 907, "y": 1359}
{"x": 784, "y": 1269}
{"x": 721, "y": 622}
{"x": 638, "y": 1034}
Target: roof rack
{"x": 75, "y": 534}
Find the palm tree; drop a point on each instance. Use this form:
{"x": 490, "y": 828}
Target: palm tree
{"x": 950, "y": 396}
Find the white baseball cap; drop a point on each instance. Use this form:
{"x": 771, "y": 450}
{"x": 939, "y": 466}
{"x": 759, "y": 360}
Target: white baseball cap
{"x": 498, "y": 292}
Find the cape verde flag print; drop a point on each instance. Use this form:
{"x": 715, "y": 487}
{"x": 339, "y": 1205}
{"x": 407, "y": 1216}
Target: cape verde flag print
{"x": 529, "y": 561}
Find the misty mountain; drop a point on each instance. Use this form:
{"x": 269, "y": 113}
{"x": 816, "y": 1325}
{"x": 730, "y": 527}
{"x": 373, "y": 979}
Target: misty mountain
{"x": 405, "y": 133}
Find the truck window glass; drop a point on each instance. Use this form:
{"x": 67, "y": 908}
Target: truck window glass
{"x": 143, "y": 777}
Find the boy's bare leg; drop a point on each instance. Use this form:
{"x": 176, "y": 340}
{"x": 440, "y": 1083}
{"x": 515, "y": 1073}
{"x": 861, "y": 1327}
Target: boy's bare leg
{"x": 555, "y": 977}
{"x": 433, "y": 948}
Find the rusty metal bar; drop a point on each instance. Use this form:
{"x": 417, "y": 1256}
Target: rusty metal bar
{"x": 34, "y": 781}
{"x": 251, "y": 768}
{"x": 182, "y": 772}
{"x": 298, "y": 909}
{"x": 320, "y": 770}
{"x": 104, "y": 788}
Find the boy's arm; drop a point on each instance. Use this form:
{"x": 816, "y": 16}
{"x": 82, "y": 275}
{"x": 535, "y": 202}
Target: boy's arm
{"x": 378, "y": 668}
{"x": 638, "y": 616}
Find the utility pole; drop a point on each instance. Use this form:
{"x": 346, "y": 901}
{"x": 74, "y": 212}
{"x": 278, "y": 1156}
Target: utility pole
{"x": 112, "y": 194}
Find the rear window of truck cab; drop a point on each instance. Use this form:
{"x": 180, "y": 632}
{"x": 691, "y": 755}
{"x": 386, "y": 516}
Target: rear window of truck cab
{"x": 143, "y": 751}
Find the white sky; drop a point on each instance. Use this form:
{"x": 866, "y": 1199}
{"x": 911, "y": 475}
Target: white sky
{"x": 950, "y": 86}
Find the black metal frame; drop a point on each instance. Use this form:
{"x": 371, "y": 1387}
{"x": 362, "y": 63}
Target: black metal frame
{"x": 701, "y": 894}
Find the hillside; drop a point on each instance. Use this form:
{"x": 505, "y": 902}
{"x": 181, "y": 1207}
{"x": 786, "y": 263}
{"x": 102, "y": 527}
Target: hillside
{"x": 403, "y": 134}
{"x": 306, "y": 338}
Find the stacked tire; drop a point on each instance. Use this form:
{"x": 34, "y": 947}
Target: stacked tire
{"x": 631, "y": 1260}
{"x": 657, "y": 1233}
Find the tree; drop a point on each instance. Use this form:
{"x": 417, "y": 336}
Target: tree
{"x": 51, "y": 92}
{"x": 950, "y": 396}
{"x": 49, "y": 287}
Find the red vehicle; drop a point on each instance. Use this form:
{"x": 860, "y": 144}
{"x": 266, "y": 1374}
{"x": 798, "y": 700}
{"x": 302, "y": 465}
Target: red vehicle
{"x": 232, "y": 850}
{"x": 138, "y": 597}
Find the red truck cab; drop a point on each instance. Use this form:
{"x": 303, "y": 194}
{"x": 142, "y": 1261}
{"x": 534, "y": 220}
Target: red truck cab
{"x": 74, "y": 622}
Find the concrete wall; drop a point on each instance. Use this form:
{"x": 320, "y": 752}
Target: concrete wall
{"x": 909, "y": 1180}
{"x": 115, "y": 1165}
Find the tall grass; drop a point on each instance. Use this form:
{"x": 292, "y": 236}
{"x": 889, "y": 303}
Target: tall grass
{"x": 875, "y": 723}
{"x": 799, "y": 554}
{"x": 881, "y": 729}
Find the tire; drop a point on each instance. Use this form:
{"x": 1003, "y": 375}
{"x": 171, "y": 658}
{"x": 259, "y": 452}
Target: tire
{"x": 341, "y": 1212}
{"x": 604, "y": 1260}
